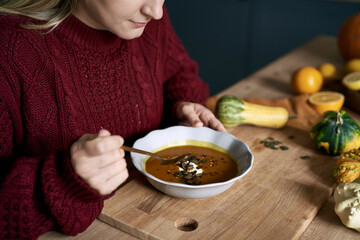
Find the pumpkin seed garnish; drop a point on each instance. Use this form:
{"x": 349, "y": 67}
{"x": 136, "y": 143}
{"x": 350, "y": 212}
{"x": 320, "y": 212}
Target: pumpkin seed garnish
{"x": 284, "y": 148}
{"x": 271, "y": 143}
{"x": 305, "y": 157}
{"x": 188, "y": 175}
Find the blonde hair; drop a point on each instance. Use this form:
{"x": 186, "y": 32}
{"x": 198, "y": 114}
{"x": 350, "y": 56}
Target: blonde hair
{"x": 52, "y": 12}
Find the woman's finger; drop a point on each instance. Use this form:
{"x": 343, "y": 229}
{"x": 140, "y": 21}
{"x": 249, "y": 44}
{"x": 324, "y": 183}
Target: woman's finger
{"x": 209, "y": 120}
{"x": 109, "y": 158}
{"x": 103, "y": 133}
{"x": 190, "y": 115}
{"x": 114, "y": 175}
{"x": 114, "y": 182}
{"x": 113, "y": 168}
{"x": 197, "y": 115}
{"x": 101, "y": 181}
{"x": 214, "y": 123}
{"x": 101, "y": 145}
{"x": 90, "y": 167}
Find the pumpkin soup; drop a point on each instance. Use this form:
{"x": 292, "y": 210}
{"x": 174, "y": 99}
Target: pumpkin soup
{"x": 204, "y": 166}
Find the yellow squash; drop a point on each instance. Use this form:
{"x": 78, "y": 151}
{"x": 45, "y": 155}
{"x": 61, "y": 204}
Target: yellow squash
{"x": 233, "y": 111}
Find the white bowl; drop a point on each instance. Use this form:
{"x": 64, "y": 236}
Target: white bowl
{"x": 180, "y": 135}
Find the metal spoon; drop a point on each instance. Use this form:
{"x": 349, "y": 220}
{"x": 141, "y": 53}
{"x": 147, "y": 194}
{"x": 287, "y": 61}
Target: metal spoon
{"x": 162, "y": 160}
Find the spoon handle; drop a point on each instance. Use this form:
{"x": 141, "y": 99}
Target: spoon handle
{"x": 130, "y": 149}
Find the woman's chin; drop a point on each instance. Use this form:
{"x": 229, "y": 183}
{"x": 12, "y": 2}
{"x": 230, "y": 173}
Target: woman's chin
{"x": 131, "y": 34}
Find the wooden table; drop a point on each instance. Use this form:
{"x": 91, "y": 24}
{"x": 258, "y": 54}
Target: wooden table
{"x": 292, "y": 204}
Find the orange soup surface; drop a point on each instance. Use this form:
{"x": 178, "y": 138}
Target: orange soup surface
{"x": 211, "y": 166}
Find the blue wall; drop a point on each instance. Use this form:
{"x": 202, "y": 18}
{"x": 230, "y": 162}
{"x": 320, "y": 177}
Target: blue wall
{"x": 232, "y": 38}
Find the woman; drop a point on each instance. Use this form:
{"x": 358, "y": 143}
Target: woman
{"x": 77, "y": 78}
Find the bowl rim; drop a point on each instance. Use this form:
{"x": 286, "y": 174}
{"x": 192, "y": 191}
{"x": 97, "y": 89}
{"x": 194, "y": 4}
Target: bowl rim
{"x": 209, "y": 185}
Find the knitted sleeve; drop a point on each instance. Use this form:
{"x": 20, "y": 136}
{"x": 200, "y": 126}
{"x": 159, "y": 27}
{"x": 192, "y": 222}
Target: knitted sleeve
{"x": 38, "y": 193}
{"x": 183, "y": 82}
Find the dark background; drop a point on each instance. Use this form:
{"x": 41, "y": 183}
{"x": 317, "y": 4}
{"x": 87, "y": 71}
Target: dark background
{"x": 230, "y": 39}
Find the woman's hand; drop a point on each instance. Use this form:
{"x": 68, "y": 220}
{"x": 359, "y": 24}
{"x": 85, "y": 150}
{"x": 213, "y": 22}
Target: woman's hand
{"x": 99, "y": 161}
{"x": 196, "y": 115}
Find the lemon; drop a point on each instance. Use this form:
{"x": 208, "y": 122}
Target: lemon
{"x": 353, "y": 65}
{"x": 306, "y": 80}
{"x": 328, "y": 71}
{"x": 352, "y": 81}
{"x": 326, "y": 101}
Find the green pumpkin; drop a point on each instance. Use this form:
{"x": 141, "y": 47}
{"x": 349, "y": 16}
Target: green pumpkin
{"x": 336, "y": 132}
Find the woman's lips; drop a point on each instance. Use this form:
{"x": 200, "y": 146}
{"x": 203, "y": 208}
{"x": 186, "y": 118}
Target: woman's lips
{"x": 138, "y": 24}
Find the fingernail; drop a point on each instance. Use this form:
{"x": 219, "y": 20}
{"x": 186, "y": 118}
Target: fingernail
{"x": 91, "y": 138}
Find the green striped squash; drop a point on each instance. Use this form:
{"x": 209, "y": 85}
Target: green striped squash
{"x": 232, "y": 111}
{"x": 336, "y": 132}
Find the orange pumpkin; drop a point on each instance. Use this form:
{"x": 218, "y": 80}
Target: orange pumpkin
{"x": 348, "y": 38}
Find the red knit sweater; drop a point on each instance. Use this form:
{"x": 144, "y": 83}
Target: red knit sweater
{"x": 58, "y": 86}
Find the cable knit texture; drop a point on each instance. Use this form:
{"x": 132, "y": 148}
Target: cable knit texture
{"x": 58, "y": 86}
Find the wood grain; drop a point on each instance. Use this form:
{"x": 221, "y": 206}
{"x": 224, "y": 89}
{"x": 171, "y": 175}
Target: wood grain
{"x": 278, "y": 198}
{"x": 327, "y": 225}
{"x": 282, "y": 197}
{"x": 97, "y": 230}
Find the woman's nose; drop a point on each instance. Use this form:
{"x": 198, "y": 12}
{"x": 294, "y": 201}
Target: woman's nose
{"x": 154, "y": 9}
